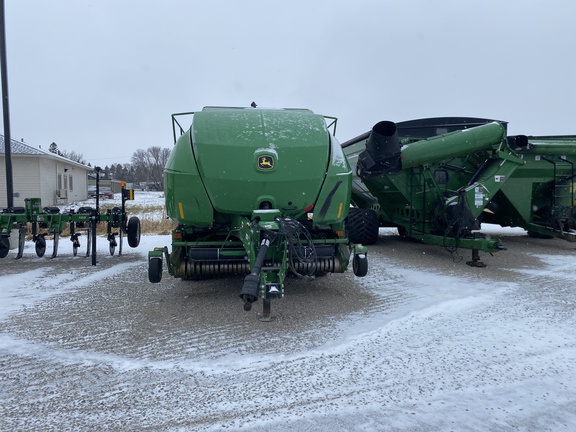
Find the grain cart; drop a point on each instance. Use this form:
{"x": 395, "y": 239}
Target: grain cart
{"x": 539, "y": 196}
{"x": 430, "y": 178}
{"x": 261, "y": 192}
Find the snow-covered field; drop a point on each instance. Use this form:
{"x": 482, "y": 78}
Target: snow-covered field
{"x": 423, "y": 343}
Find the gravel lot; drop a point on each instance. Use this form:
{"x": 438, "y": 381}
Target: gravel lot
{"x": 424, "y": 342}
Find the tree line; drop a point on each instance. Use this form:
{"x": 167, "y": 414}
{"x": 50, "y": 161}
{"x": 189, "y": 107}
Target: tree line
{"x": 147, "y": 166}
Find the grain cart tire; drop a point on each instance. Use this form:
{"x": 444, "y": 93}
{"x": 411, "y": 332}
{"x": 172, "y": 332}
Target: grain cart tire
{"x": 362, "y": 226}
{"x": 4, "y": 246}
{"x": 155, "y": 270}
{"x": 133, "y": 231}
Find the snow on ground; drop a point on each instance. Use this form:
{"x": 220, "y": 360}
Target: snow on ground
{"x": 438, "y": 346}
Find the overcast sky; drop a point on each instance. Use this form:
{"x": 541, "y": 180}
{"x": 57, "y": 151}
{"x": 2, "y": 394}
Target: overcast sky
{"x": 102, "y": 77}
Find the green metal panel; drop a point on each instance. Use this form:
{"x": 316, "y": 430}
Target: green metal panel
{"x": 334, "y": 199}
{"x": 186, "y": 199}
{"x": 247, "y": 156}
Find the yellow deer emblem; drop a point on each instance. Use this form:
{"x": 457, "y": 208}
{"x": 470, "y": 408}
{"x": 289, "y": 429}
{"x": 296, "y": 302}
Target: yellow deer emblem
{"x": 265, "y": 162}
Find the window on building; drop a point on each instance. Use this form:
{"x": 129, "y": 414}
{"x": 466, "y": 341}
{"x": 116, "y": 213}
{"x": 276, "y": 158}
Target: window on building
{"x": 65, "y": 182}
{"x": 59, "y": 181}
{"x": 70, "y": 183}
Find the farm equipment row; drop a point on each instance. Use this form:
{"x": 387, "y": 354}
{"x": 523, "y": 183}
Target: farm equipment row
{"x": 50, "y": 221}
{"x": 438, "y": 179}
{"x": 270, "y": 192}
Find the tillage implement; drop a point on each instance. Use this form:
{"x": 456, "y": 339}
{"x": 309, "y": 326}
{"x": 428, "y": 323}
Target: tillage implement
{"x": 51, "y": 221}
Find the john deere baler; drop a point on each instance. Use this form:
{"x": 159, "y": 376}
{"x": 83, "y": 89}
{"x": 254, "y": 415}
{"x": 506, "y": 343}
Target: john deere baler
{"x": 263, "y": 192}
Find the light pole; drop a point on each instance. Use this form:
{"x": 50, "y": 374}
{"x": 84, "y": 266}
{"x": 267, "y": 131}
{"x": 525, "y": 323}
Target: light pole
{"x": 6, "y": 109}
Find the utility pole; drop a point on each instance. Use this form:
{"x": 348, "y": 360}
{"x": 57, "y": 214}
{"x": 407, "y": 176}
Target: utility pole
{"x": 6, "y": 109}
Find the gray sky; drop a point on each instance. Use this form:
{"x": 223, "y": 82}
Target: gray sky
{"x": 102, "y": 77}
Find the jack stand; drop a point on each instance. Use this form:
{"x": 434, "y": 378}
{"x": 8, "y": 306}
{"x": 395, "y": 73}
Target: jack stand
{"x": 266, "y": 309}
{"x": 475, "y": 260}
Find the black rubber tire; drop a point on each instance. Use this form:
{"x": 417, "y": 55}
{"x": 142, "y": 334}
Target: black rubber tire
{"x": 362, "y": 226}
{"x": 360, "y": 265}
{"x": 40, "y": 246}
{"x": 155, "y": 270}
{"x": 133, "y": 231}
{"x": 4, "y": 246}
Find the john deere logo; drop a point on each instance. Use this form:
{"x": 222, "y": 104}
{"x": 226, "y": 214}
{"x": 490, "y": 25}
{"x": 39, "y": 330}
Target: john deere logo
{"x": 265, "y": 162}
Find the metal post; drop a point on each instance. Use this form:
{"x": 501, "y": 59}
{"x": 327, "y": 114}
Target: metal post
{"x": 6, "y": 110}
{"x": 95, "y": 218}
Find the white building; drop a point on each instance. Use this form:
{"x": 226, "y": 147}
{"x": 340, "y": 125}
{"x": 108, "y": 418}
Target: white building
{"x": 37, "y": 173}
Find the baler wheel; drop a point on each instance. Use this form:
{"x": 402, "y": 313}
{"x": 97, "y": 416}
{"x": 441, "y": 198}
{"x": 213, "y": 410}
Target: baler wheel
{"x": 133, "y": 231}
{"x": 40, "y": 246}
{"x": 4, "y": 246}
{"x": 362, "y": 226}
{"x": 155, "y": 270}
{"x": 360, "y": 265}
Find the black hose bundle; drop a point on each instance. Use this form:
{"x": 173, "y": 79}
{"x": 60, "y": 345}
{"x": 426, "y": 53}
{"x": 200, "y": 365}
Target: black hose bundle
{"x": 298, "y": 251}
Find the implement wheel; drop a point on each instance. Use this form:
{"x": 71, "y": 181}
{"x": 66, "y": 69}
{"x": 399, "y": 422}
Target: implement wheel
{"x": 40, "y": 246}
{"x": 155, "y": 270}
{"x": 4, "y": 246}
{"x": 133, "y": 231}
{"x": 360, "y": 265}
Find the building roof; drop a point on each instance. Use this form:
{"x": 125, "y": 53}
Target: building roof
{"x": 20, "y": 148}
{"x": 17, "y": 147}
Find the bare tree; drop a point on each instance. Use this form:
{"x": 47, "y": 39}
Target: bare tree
{"x": 151, "y": 162}
{"x": 73, "y": 156}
